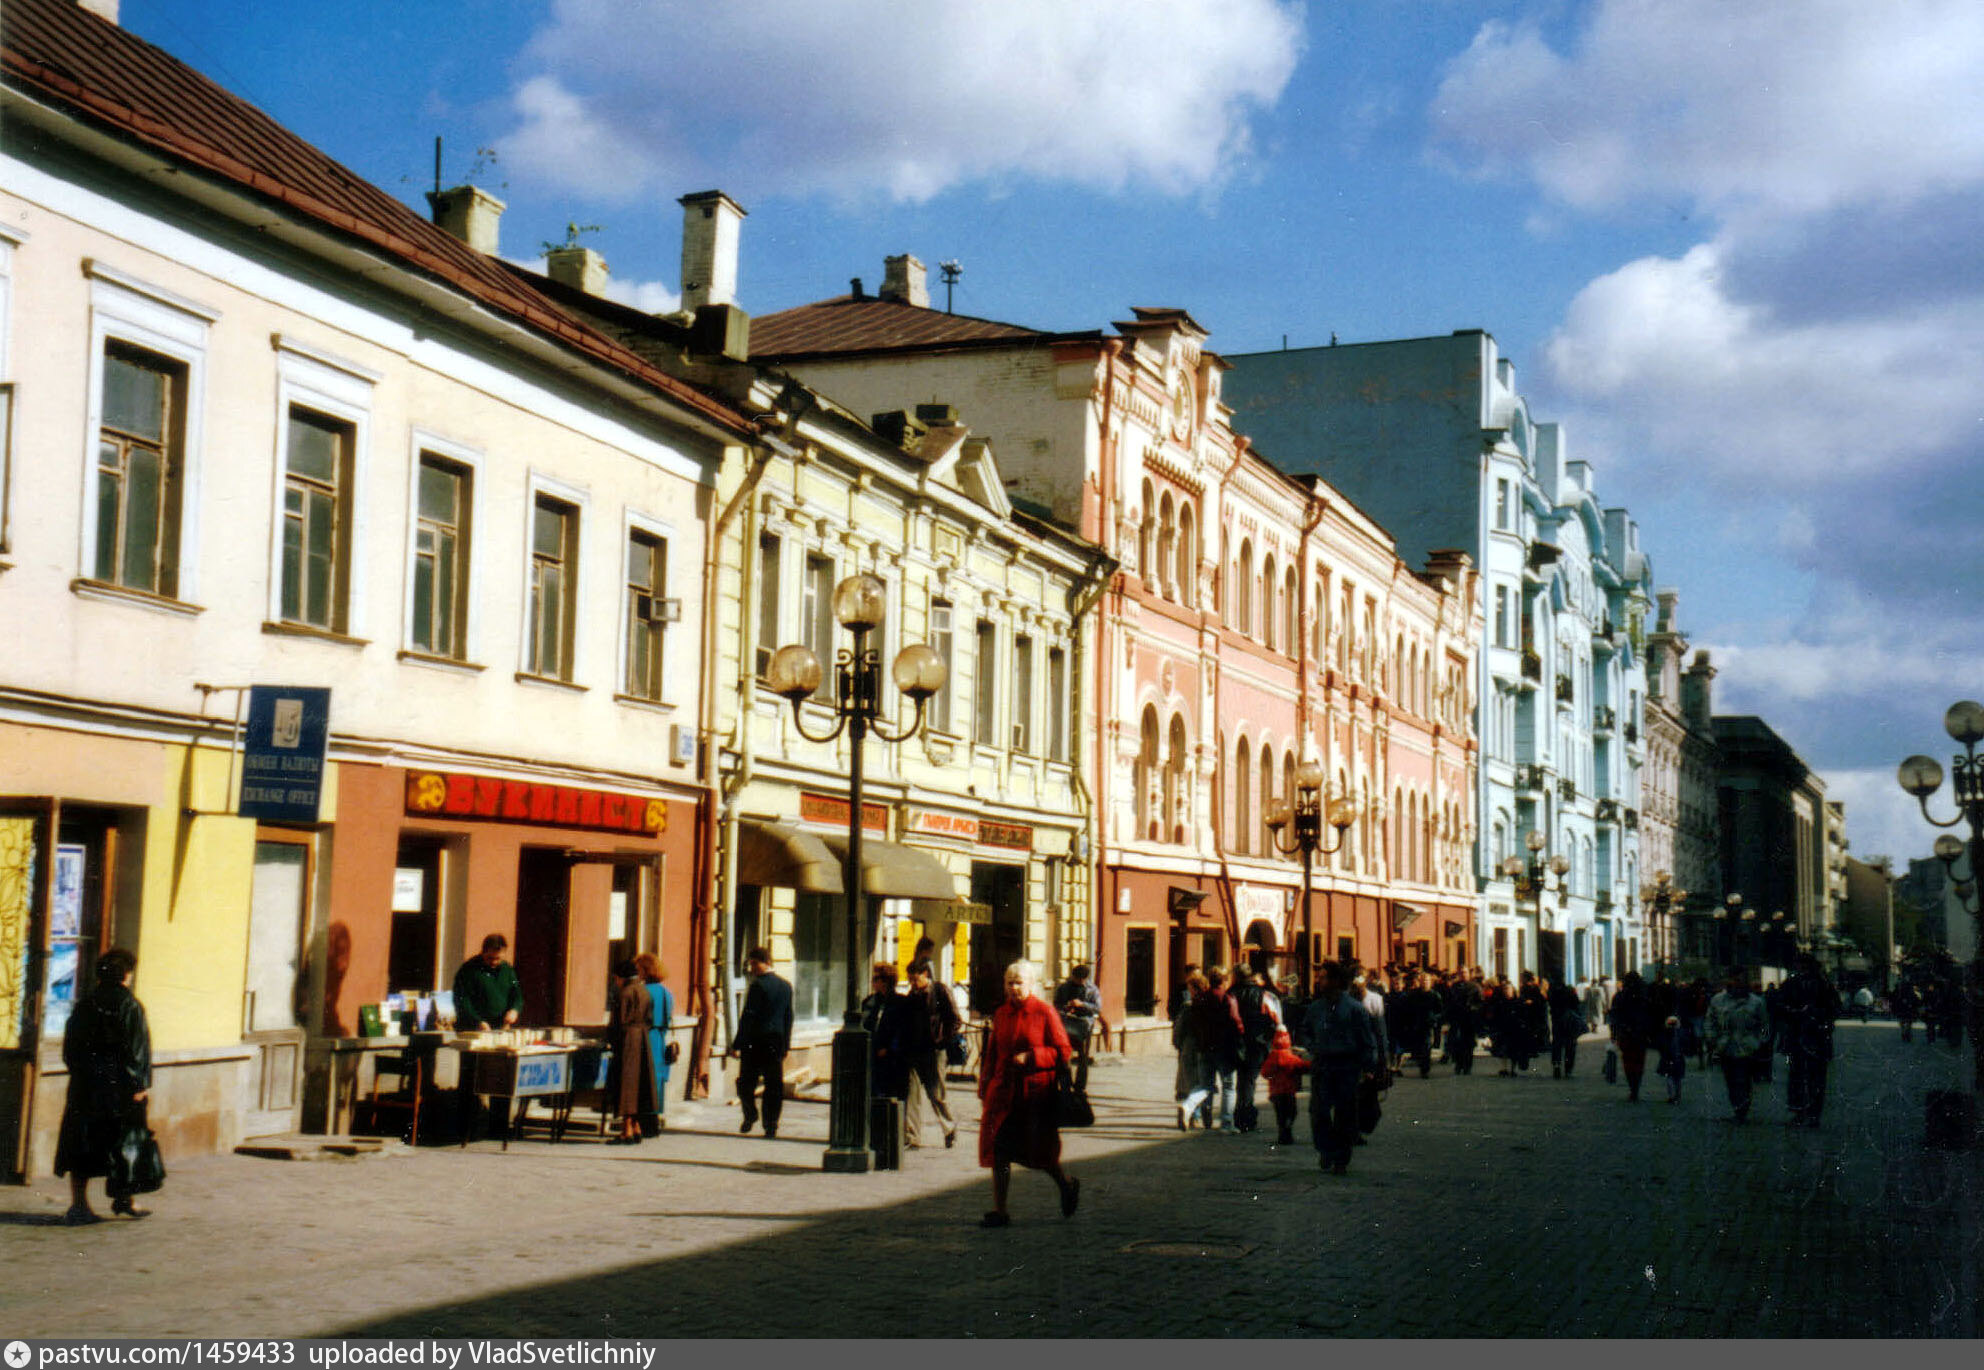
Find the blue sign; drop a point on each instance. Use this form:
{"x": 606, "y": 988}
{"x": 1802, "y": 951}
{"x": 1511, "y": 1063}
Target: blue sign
{"x": 282, "y": 766}
{"x": 538, "y": 1075}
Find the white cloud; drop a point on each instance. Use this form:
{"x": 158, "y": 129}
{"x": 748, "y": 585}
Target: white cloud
{"x": 1881, "y": 820}
{"x": 855, "y": 97}
{"x": 1791, "y": 107}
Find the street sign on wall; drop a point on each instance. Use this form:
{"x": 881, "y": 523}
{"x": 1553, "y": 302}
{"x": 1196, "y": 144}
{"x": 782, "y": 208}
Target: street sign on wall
{"x": 282, "y": 763}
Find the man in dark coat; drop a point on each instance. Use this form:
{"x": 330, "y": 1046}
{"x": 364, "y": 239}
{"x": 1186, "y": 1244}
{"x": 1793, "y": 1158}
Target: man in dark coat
{"x": 108, "y": 1049}
{"x": 1415, "y": 1008}
{"x": 487, "y": 994}
{"x": 1343, "y": 1044}
{"x": 1258, "y": 1025}
{"x": 1079, "y": 1003}
{"x": 1566, "y": 1026}
{"x": 1806, "y": 1009}
{"x": 764, "y": 1035}
{"x": 885, "y": 1017}
{"x": 1464, "y": 1021}
{"x": 933, "y": 1021}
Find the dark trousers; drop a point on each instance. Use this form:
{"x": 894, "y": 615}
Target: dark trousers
{"x": 1245, "y": 1083}
{"x": 1460, "y": 1045}
{"x": 1738, "y": 1076}
{"x": 755, "y": 1064}
{"x": 1805, "y": 1084}
{"x": 1333, "y": 1111}
{"x": 1564, "y": 1052}
{"x": 1419, "y": 1046}
{"x": 1284, "y": 1116}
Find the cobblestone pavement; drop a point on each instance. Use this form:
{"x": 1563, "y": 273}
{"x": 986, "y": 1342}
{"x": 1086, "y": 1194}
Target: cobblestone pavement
{"x": 1484, "y": 1206}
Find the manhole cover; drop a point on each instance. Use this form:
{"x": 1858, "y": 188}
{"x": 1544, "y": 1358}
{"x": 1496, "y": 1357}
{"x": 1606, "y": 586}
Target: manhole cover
{"x": 1213, "y": 1251}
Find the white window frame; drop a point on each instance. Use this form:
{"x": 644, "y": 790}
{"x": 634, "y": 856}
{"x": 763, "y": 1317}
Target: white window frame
{"x": 124, "y": 309}
{"x": 664, "y": 532}
{"x": 309, "y": 378}
{"x": 9, "y": 240}
{"x": 539, "y": 483}
{"x": 423, "y": 443}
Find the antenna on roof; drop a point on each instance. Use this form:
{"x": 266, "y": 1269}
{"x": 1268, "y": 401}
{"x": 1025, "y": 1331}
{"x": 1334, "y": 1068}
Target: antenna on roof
{"x": 951, "y": 271}
{"x": 437, "y": 164}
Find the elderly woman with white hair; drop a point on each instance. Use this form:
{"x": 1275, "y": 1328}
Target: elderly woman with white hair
{"x": 1026, "y": 1046}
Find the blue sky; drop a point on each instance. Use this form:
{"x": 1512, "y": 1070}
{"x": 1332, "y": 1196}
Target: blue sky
{"x": 1733, "y": 249}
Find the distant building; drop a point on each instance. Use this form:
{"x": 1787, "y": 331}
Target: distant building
{"x": 1678, "y": 823}
{"x": 1867, "y": 920}
{"x": 1938, "y": 913}
{"x": 1771, "y": 807}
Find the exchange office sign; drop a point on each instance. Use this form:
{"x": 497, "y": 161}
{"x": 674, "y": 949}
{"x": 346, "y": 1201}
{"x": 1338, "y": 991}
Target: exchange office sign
{"x": 282, "y": 756}
{"x": 448, "y": 794}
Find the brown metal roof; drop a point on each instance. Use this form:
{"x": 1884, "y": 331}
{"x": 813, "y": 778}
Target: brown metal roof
{"x": 850, "y": 324}
{"x": 61, "y": 54}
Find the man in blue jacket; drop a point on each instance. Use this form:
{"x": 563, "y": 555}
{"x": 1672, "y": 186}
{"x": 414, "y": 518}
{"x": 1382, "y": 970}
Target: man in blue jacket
{"x": 1344, "y": 1046}
{"x": 764, "y": 1035}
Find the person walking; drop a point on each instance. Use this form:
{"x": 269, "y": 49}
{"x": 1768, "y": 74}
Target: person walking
{"x": 1807, "y": 1006}
{"x": 1415, "y": 1011}
{"x": 932, "y": 1020}
{"x": 1532, "y": 1021}
{"x": 1344, "y": 1050}
{"x": 1464, "y": 1009}
{"x": 1567, "y": 1024}
{"x": 1592, "y": 1002}
{"x": 763, "y": 1037}
{"x": 630, "y": 1080}
{"x": 108, "y": 1049}
{"x": 661, "y": 1051}
{"x": 1633, "y": 1026}
{"x": 884, "y": 1016}
{"x": 1283, "y": 1070}
{"x": 1079, "y": 1002}
{"x": 1673, "y": 1056}
{"x": 1260, "y": 1020}
{"x": 1225, "y": 1036}
{"x": 1193, "y": 1081}
{"x": 1737, "y": 1032}
{"x": 1016, "y": 1089}
{"x": 1907, "y": 1004}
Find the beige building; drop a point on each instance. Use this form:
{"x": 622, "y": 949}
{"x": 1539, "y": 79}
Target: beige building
{"x": 1678, "y": 832}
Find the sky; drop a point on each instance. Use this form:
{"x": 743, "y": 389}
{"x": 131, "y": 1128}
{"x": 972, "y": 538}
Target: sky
{"x": 1737, "y": 251}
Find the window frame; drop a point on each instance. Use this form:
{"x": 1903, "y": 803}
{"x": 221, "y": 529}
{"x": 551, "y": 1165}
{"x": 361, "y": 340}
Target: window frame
{"x": 421, "y": 446}
{"x": 942, "y": 637}
{"x": 644, "y": 528}
{"x": 770, "y": 554}
{"x": 541, "y": 487}
{"x": 125, "y": 310}
{"x": 343, "y": 490}
{"x": 1057, "y": 704}
{"x": 311, "y": 379}
{"x": 1020, "y": 714}
{"x": 818, "y": 628}
{"x": 984, "y": 683}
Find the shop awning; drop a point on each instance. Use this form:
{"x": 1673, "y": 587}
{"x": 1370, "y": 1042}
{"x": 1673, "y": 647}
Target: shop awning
{"x": 889, "y": 870}
{"x": 780, "y": 854}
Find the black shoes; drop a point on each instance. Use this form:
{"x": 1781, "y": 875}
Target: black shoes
{"x": 749, "y": 1123}
{"x": 1071, "y": 1194}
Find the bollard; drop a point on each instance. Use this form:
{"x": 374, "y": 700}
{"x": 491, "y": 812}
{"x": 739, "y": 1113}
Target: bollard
{"x": 885, "y": 1132}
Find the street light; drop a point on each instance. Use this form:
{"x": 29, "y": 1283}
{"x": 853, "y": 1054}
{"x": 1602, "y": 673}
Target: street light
{"x": 1529, "y": 875}
{"x": 1303, "y": 815}
{"x": 859, "y": 603}
{"x": 1922, "y": 777}
{"x": 1663, "y": 898}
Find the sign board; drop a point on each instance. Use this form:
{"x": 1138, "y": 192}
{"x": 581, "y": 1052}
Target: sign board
{"x": 933, "y": 823}
{"x": 964, "y": 911}
{"x": 448, "y": 794}
{"x": 833, "y": 809}
{"x": 409, "y": 889}
{"x": 282, "y": 761}
{"x": 1013, "y": 836}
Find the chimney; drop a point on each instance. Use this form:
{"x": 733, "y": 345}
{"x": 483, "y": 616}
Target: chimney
{"x": 579, "y": 267}
{"x": 105, "y": 10}
{"x": 1697, "y": 701}
{"x": 902, "y": 281}
{"x": 468, "y": 213}
{"x": 1667, "y": 599}
{"x": 710, "y": 224}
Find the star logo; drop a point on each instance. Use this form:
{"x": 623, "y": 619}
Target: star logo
{"x": 18, "y": 1354}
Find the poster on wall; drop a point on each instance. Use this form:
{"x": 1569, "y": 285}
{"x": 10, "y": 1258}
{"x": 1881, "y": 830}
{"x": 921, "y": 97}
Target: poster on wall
{"x": 65, "y": 948}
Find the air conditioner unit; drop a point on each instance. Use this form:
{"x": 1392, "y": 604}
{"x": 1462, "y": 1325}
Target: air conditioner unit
{"x": 668, "y": 610}
{"x": 654, "y": 609}
{"x": 681, "y": 744}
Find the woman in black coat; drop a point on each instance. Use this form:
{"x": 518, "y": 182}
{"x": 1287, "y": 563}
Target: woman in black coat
{"x": 108, "y": 1049}
{"x": 885, "y": 1015}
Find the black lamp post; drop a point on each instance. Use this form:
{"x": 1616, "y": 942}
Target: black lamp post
{"x": 1529, "y": 875}
{"x": 1740, "y": 921}
{"x": 1922, "y": 777}
{"x": 795, "y": 672}
{"x": 1663, "y": 898}
{"x": 1302, "y": 815}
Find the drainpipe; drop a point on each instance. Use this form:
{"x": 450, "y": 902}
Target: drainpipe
{"x": 1083, "y": 596}
{"x": 1112, "y": 348}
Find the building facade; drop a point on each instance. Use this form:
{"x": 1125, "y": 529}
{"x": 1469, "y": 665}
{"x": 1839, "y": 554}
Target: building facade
{"x": 1771, "y": 808}
{"x": 1218, "y": 640}
{"x": 1678, "y": 825}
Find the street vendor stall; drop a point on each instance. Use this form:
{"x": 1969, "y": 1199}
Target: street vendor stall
{"x": 505, "y": 1065}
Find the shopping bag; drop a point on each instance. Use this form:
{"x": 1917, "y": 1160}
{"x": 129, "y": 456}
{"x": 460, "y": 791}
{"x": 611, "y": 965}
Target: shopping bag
{"x": 1611, "y": 1070}
{"x": 138, "y": 1165}
{"x": 1071, "y": 1106}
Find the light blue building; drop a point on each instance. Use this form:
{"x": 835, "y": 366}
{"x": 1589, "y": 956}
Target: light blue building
{"x": 1431, "y": 437}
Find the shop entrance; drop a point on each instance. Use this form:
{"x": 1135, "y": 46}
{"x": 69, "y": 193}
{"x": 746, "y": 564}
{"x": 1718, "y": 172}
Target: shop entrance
{"x": 997, "y": 944}
{"x": 1260, "y": 944}
{"x": 1550, "y": 957}
{"x": 278, "y": 914}
{"x": 544, "y": 896}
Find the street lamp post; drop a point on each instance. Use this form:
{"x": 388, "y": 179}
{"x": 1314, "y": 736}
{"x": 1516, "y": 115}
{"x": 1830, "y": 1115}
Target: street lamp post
{"x": 1664, "y": 898}
{"x": 1302, "y": 815}
{"x": 1922, "y": 777}
{"x": 1529, "y": 876}
{"x": 859, "y": 603}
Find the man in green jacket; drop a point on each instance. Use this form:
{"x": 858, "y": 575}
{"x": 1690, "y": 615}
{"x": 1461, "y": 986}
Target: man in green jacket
{"x": 487, "y": 994}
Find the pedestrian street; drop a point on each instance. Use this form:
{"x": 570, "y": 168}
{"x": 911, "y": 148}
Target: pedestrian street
{"x": 1483, "y": 1206}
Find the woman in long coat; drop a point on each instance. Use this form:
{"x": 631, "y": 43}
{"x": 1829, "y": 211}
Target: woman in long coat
{"x": 655, "y": 974}
{"x": 630, "y": 1081}
{"x": 1016, "y": 1089}
{"x": 108, "y": 1049}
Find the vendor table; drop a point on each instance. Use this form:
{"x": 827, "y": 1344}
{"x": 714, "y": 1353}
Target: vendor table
{"x": 521, "y": 1074}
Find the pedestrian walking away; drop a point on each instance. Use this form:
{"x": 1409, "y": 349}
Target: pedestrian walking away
{"x": 1079, "y": 1002}
{"x": 1633, "y": 1027}
{"x": 1807, "y": 1007}
{"x": 1738, "y": 1032}
{"x": 108, "y": 1049}
{"x": 1673, "y": 1056}
{"x": 764, "y": 1036}
{"x": 1567, "y": 1024}
{"x": 662, "y": 1051}
{"x": 1344, "y": 1048}
{"x": 1260, "y": 1020}
{"x": 1024, "y": 1049}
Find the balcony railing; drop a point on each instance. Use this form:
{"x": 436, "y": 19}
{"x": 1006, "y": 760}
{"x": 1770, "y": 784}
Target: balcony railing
{"x": 1608, "y": 811}
{"x": 1567, "y": 788}
{"x": 1603, "y": 719}
{"x": 1565, "y": 694}
{"x": 1532, "y": 666}
{"x": 1529, "y": 776}
{"x": 1632, "y": 732}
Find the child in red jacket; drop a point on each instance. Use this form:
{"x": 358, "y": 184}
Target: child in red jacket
{"x": 1283, "y": 1071}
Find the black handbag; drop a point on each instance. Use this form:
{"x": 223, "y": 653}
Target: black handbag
{"x": 1071, "y": 1105}
{"x": 954, "y": 1050}
{"x": 139, "y": 1167}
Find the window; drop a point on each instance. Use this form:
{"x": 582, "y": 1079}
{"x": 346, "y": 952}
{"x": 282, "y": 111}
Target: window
{"x": 316, "y": 512}
{"x": 1267, "y": 800}
{"x": 139, "y": 471}
{"x": 1267, "y": 600}
{"x": 1057, "y": 704}
{"x": 440, "y": 558}
{"x": 1188, "y": 557}
{"x": 941, "y": 644}
{"x": 554, "y": 546}
{"x": 981, "y": 685}
{"x": 1243, "y": 590}
{"x": 6, "y": 386}
{"x": 1243, "y": 823}
{"x": 1291, "y": 611}
{"x": 1504, "y": 505}
{"x": 647, "y": 582}
{"x": 1149, "y": 794}
{"x": 1140, "y": 970}
{"x": 768, "y": 603}
{"x": 1022, "y": 708}
{"x": 816, "y": 617}
{"x": 819, "y": 941}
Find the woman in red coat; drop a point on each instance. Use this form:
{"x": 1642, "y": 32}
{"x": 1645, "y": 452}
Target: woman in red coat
{"x": 1016, "y": 1089}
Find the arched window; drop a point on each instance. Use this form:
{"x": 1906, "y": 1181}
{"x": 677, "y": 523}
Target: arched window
{"x": 1267, "y": 799}
{"x": 1395, "y": 672}
{"x": 1367, "y": 645}
{"x": 1291, "y": 614}
{"x": 1319, "y": 613}
{"x": 1397, "y": 821}
{"x": 1243, "y": 590}
{"x": 1148, "y": 798}
{"x": 1188, "y": 555}
{"x": 1243, "y": 776}
{"x": 1267, "y": 599}
{"x": 1147, "y": 534}
{"x": 1177, "y": 797}
{"x": 1427, "y": 830}
{"x": 1166, "y": 534}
